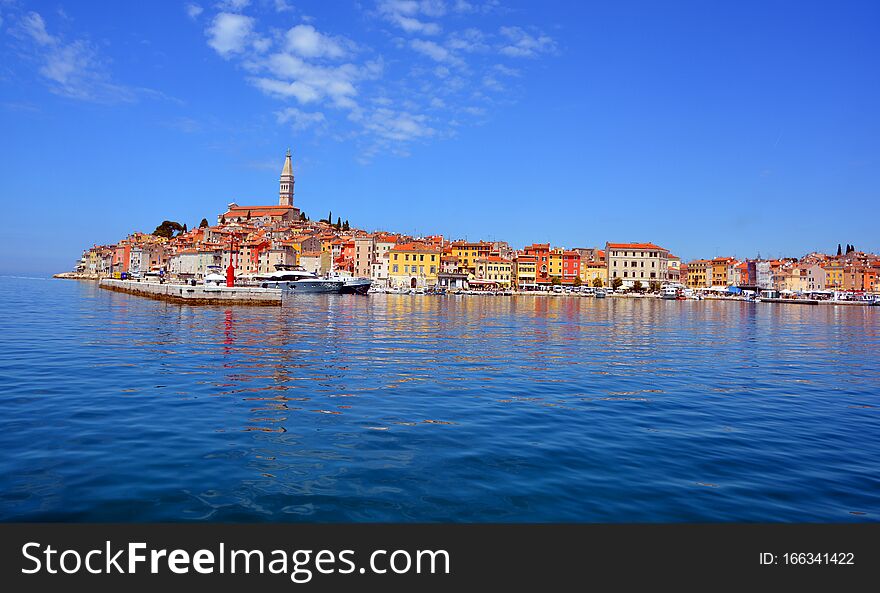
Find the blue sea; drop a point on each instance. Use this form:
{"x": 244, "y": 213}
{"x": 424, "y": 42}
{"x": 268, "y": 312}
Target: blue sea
{"x": 399, "y": 408}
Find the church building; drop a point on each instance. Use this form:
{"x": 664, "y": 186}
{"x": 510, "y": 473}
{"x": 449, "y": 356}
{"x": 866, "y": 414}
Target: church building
{"x": 285, "y": 211}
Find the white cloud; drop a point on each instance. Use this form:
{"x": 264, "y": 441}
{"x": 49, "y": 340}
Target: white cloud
{"x": 505, "y": 70}
{"x": 300, "y": 120}
{"x": 34, "y": 25}
{"x": 403, "y": 13}
{"x": 282, "y": 6}
{"x": 397, "y": 126}
{"x": 193, "y": 10}
{"x": 307, "y": 42}
{"x": 432, "y": 50}
{"x": 464, "y": 6}
{"x": 327, "y": 82}
{"x": 233, "y": 5}
{"x": 522, "y": 44}
{"x": 229, "y": 33}
{"x": 73, "y": 69}
{"x": 469, "y": 40}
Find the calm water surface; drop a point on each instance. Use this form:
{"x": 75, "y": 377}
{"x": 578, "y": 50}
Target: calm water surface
{"x": 420, "y": 408}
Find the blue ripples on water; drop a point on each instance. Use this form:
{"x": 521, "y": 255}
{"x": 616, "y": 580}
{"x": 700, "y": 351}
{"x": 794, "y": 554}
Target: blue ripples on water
{"x": 419, "y": 408}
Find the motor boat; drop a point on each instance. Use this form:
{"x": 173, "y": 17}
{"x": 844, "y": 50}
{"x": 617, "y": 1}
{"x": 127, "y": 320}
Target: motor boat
{"x": 297, "y": 279}
{"x": 670, "y": 292}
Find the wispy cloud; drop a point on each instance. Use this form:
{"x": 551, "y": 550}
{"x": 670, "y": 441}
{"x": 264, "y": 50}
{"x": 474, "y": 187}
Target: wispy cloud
{"x": 521, "y": 44}
{"x": 193, "y": 10}
{"x": 408, "y": 14}
{"x": 388, "y": 98}
{"x": 71, "y": 68}
{"x": 300, "y": 120}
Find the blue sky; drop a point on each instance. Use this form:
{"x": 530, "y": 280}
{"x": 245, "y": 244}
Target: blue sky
{"x": 711, "y": 128}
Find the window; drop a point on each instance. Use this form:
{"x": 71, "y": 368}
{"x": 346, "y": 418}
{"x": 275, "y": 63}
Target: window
{"x": 406, "y": 257}
{"x": 433, "y": 268}
{"x": 624, "y": 264}
{"x": 421, "y": 258}
{"x": 395, "y": 268}
{"x": 624, "y": 275}
{"x": 421, "y": 269}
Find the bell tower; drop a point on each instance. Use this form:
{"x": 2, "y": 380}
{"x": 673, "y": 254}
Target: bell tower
{"x": 285, "y": 189}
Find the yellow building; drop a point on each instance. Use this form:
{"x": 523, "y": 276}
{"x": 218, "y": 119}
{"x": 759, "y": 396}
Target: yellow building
{"x": 493, "y": 270}
{"x": 699, "y": 273}
{"x": 833, "y": 274}
{"x": 469, "y": 253}
{"x": 590, "y": 270}
{"x": 524, "y": 272}
{"x": 720, "y": 274}
{"x": 413, "y": 265}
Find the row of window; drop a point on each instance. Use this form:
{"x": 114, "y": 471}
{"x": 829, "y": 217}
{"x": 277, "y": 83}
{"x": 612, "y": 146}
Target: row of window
{"x": 634, "y": 253}
{"x": 626, "y": 274}
{"x": 414, "y": 269}
{"x": 635, "y": 264}
{"x": 421, "y": 257}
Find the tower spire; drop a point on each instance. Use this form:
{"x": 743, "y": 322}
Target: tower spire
{"x": 285, "y": 189}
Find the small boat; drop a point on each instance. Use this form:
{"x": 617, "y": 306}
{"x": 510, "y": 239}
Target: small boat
{"x": 670, "y": 293}
{"x": 600, "y": 293}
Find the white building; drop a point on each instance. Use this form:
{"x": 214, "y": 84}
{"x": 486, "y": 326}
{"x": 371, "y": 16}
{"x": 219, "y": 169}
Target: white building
{"x": 637, "y": 262}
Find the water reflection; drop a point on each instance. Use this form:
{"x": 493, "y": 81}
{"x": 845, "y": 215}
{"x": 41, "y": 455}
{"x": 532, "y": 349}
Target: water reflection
{"x": 399, "y": 407}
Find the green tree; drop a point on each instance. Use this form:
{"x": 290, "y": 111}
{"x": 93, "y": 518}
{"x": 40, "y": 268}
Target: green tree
{"x": 637, "y": 286}
{"x": 338, "y": 223}
{"x": 204, "y": 223}
{"x": 303, "y": 217}
{"x": 654, "y": 286}
{"x": 346, "y": 226}
{"x": 555, "y": 280}
{"x": 616, "y": 283}
{"x": 167, "y": 229}
{"x": 577, "y": 281}
{"x": 222, "y": 219}
{"x": 183, "y": 230}
{"x": 249, "y": 215}
{"x": 597, "y": 282}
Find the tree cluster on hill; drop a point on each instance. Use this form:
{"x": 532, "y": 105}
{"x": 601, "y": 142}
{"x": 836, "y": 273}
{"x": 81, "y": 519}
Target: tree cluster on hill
{"x": 168, "y": 228}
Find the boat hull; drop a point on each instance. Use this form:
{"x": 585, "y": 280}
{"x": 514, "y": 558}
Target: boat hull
{"x": 357, "y": 286}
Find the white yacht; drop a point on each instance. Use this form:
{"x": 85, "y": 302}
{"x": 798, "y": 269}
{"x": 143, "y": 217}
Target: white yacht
{"x": 299, "y": 280}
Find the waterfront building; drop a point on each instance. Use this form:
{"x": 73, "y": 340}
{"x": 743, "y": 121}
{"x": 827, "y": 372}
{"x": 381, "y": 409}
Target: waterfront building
{"x": 363, "y": 255}
{"x": 815, "y": 277}
{"x": 493, "y": 271}
{"x": 317, "y": 262}
{"x": 721, "y": 271}
{"x": 524, "y": 272}
{"x": 636, "y": 262}
{"x": 699, "y": 273}
{"x": 379, "y": 271}
{"x": 673, "y": 269}
{"x": 763, "y": 275}
{"x": 591, "y": 270}
{"x": 834, "y": 274}
{"x": 541, "y": 253}
{"x": 413, "y": 265}
{"x": 468, "y": 253}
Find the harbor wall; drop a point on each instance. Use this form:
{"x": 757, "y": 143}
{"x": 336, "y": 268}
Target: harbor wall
{"x": 196, "y": 295}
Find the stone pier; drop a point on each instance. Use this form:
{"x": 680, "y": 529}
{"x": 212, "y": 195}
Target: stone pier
{"x": 196, "y": 295}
